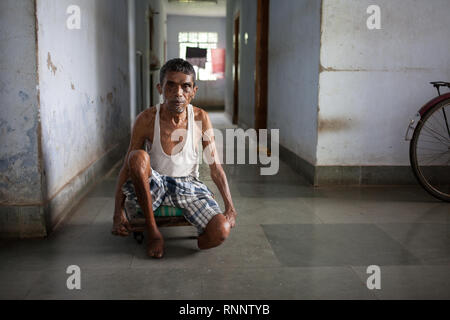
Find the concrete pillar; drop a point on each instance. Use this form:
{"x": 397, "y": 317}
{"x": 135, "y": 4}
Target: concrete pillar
{"x": 21, "y": 179}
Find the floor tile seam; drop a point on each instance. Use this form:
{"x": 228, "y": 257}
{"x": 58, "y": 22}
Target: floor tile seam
{"x": 373, "y": 294}
{"x": 95, "y": 216}
{"x": 399, "y": 243}
{"x": 32, "y": 285}
{"x": 252, "y": 268}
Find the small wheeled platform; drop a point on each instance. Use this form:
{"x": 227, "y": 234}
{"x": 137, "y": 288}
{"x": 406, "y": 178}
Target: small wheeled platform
{"x": 165, "y": 216}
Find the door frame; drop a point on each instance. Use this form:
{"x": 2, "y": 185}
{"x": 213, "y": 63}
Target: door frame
{"x": 140, "y": 90}
{"x": 236, "y": 39}
{"x": 150, "y": 46}
{"x": 261, "y": 67}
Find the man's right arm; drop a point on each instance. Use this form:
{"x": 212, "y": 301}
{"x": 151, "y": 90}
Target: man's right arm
{"x": 119, "y": 196}
{"x": 136, "y": 142}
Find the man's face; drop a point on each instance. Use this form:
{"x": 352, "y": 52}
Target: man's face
{"x": 178, "y": 90}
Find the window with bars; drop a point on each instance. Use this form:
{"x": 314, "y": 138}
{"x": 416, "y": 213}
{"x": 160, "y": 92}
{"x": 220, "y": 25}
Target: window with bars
{"x": 204, "y": 40}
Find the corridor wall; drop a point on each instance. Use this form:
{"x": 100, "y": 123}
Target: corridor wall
{"x": 340, "y": 92}
{"x": 372, "y": 82}
{"x": 66, "y": 115}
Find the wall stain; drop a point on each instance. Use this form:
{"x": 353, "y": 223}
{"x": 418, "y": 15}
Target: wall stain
{"x": 322, "y": 69}
{"x": 102, "y": 99}
{"x": 50, "y": 64}
{"x": 72, "y": 86}
{"x": 23, "y": 95}
{"x": 109, "y": 97}
{"x": 335, "y": 124}
{"x": 330, "y": 69}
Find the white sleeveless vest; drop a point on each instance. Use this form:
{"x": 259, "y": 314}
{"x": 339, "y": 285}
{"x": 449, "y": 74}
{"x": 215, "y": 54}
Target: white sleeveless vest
{"x": 182, "y": 164}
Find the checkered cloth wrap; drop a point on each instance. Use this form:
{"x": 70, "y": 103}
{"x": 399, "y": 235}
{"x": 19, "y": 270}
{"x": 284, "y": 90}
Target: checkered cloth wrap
{"x": 188, "y": 193}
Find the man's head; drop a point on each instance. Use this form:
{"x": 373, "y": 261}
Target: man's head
{"x": 177, "y": 84}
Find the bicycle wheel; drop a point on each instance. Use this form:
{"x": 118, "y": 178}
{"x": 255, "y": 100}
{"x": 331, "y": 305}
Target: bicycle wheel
{"x": 429, "y": 151}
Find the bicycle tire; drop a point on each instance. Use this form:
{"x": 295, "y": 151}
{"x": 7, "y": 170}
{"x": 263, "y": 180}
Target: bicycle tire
{"x": 413, "y": 153}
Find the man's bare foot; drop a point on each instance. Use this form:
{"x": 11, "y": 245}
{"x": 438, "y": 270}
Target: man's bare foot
{"x": 121, "y": 226}
{"x": 155, "y": 245}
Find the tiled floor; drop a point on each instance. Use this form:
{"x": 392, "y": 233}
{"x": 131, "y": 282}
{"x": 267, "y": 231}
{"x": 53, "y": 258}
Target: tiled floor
{"x": 291, "y": 241}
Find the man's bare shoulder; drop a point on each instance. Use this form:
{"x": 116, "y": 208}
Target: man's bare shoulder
{"x": 200, "y": 114}
{"x": 148, "y": 113}
{"x": 146, "y": 118}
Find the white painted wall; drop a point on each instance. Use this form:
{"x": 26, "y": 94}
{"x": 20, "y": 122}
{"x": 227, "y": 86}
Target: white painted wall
{"x": 375, "y": 80}
{"x": 210, "y": 93}
{"x": 67, "y": 101}
{"x": 84, "y": 85}
{"x": 294, "y": 46}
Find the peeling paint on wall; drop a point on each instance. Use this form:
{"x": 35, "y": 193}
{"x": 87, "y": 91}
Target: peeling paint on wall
{"x": 50, "y": 64}
{"x": 81, "y": 87}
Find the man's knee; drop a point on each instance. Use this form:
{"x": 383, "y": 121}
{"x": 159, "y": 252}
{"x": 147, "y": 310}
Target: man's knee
{"x": 219, "y": 229}
{"x": 139, "y": 162}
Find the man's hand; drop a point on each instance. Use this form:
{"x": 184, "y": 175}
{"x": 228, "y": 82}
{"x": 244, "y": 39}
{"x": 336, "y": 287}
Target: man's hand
{"x": 121, "y": 226}
{"x": 230, "y": 215}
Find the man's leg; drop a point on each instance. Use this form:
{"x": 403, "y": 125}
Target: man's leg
{"x": 140, "y": 171}
{"x": 201, "y": 210}
{"x": 216, "y": 231}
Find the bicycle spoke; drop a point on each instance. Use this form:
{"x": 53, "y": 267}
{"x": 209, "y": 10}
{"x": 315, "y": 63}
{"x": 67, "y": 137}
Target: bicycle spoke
{"x": 432, "y": 131}
{"x": 438, "y": 156}
{"x": 446, "y": 122}
{"x": 433, "y": 135}
{"x": 428, "y": 141}
{"x": 442, "y": 122}
{"x": 438, "y": 119}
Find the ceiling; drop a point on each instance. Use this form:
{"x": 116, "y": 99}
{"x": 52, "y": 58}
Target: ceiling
{"x": 206, "y": 9}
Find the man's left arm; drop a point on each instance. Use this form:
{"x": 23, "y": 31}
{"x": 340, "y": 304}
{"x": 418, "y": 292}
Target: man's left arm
{"x": 217, "y": 173}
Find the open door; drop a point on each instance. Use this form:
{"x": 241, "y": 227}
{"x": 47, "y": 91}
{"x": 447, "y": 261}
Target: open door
{"x": 261, "y": 68}
{"x": 236, "y": 69}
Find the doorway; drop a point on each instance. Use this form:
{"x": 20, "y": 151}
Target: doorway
{"x": 236, "y": 44}
{"x": 261, "y": 67}
{"x": 150, "y": 41}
